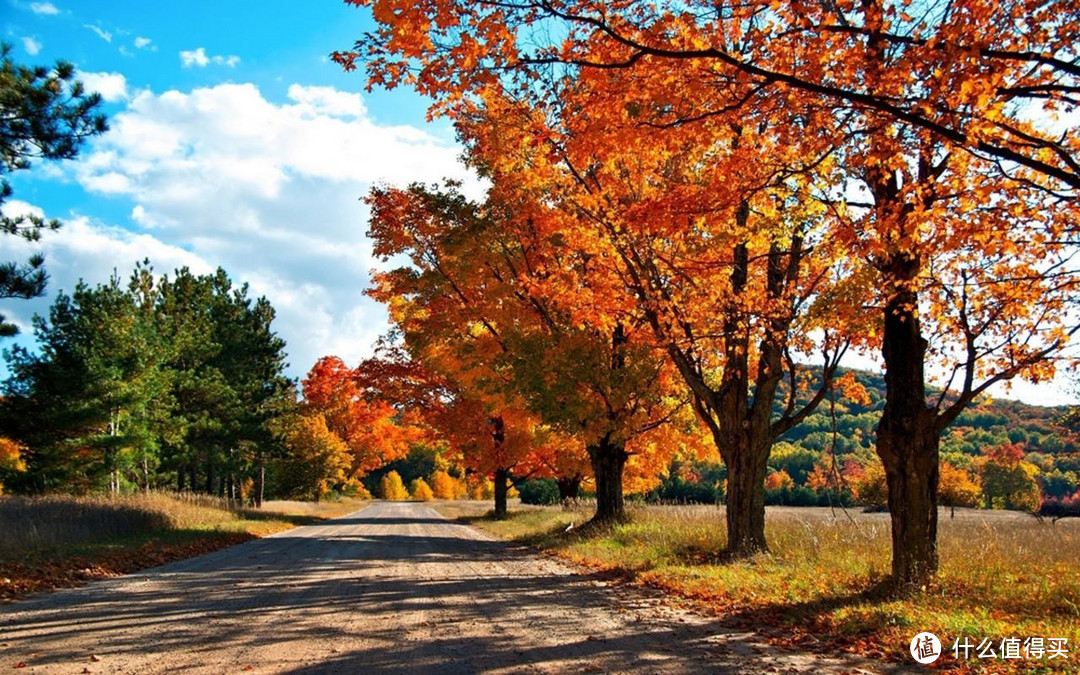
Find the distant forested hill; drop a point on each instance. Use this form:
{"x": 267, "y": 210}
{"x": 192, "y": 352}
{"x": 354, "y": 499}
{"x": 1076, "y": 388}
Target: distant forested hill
{"x": 1006, "y": 454}
{"x": 989, "y": 423}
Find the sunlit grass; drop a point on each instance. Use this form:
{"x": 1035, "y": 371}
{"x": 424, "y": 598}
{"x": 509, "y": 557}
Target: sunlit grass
{"x": 33, "y": 523}
{"x": 1002, "y": 574}
{"x": 61, "y": 541}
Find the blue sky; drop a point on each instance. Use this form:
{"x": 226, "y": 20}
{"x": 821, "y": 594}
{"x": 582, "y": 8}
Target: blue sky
{"x": 234, "y": 142}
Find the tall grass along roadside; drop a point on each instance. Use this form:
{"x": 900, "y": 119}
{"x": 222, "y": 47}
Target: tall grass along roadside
{"x": 61, "y": 541}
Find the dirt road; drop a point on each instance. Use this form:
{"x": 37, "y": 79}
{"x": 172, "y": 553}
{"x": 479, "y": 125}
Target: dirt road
{"x": 393, "y": 588}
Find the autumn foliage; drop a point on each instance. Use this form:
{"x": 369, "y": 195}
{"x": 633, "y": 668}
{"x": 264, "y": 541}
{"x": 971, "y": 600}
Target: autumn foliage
{"x": 445, "y": 486}
{"x": 1008, "y": 481}
{"x": 10, "y": 459}
{"x": 391, "y": 487}
{"x": 319, "y": 461}
{"x": 374, "y": 431}
{"x": 735, "y": 184}
{"x": 420, "y": 490}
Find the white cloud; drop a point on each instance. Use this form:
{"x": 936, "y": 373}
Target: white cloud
{"x": 89, "y": 250}
{"x": 328, "y": 101}
{"x": 111, "y": 86}
{"x": 198, "y": 57}
{"x": 13, "y": 208}
{"x": 44, "y": 8}
{"x": 144, "y": 43}
{"x": 31, "y": 46}
{"x": 101, "y": 33}
{"x": 269, "y": 191}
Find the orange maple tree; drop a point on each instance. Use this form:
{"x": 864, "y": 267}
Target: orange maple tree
{"x": 373, "y": 429}
{"x": 489, "y": 267}
{"x": 731, "y": 271}
{"x": 954, "y": 188}
{"x": 467, "y": 294}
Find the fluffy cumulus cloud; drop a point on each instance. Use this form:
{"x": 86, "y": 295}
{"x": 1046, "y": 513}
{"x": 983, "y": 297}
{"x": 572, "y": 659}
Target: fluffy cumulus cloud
{"x": 144, "y": 43}
{"x": 111, "y": 86}
{"x": 200, "y": 59}
{"x": 270, "y": 191}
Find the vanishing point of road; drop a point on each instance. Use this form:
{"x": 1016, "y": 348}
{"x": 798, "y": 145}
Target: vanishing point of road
{"x": 392, "y": 588}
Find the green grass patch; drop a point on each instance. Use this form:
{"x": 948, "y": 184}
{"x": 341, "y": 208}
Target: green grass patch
{"x": 1003, "y": 575}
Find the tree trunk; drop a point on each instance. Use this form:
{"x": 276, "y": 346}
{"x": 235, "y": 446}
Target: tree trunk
{"x": 908, "y": 440}
{"x": 569, "y": 488}
{"x": 260, "y": 484}
{"x": 180, "y": 476}
{"x": 501, "y": 489}
{"x": 608, "y": 459}
{"x": 745, "y": 510}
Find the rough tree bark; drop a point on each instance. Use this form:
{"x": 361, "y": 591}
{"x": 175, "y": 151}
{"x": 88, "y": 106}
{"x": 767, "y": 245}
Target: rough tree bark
{"x": 608, "y": 458}
{"x": 907, "y": 436}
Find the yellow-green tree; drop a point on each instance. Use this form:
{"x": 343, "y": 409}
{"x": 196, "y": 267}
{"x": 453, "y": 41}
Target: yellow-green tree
{"x": 871, "y": 490}
{"x": 318, "y": 460}
{"x": 957, "y": 487}
{"x": 392, "y": 488}
{"x": 420, "y": 490}
{"x": 1008, "y": 482}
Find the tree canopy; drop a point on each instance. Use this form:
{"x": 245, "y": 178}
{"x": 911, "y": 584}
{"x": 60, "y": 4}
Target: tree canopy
{"x": 44, "y": 114}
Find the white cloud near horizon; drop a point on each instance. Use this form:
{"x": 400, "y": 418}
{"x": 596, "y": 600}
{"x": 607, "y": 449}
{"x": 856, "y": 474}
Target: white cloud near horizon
{"x": 199, "y": 58}
{"x": 221, "y": 176}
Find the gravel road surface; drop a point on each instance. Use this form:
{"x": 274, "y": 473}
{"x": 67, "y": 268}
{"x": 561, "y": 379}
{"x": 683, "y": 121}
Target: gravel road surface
{"x": 392, "y": 588}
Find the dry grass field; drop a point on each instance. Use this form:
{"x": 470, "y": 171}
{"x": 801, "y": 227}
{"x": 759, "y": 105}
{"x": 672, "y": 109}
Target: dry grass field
{"x": 61, "y": 541}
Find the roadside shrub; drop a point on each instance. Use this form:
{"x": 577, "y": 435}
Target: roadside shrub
{"x": 391, "y": 487}
{"x": 419, "y": 490}
{"x": 541, "y": 491}
{"x": 445, "y": 486}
